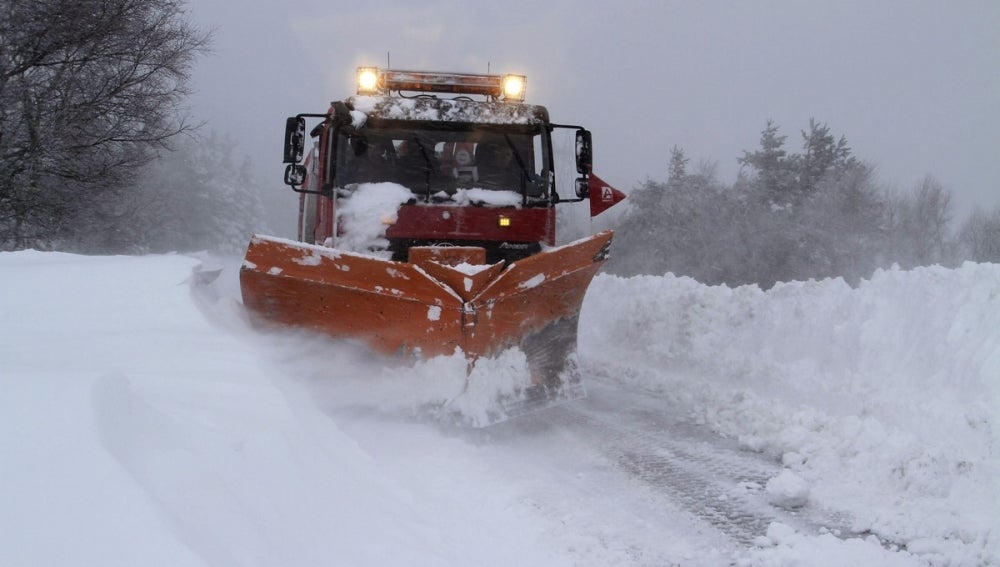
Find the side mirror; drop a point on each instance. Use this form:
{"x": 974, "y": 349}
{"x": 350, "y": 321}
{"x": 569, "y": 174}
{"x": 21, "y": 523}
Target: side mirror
{"x": 295, "y": 174}
{"x": 295, "y": 139}
{"x": 584, "y": 152}
{"x": 582, "y": 188}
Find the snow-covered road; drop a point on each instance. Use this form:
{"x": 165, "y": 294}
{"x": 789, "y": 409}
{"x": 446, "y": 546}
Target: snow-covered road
{"x": 813, "y": 424}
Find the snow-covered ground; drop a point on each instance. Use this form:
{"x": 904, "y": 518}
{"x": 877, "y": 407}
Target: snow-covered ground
{"x": 144, "y": 424}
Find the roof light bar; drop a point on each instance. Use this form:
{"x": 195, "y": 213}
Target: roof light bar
{"x": 372, "y": 80}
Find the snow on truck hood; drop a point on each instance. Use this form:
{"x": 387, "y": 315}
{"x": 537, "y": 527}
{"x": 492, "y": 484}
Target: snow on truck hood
{"x": 371, "y": 208}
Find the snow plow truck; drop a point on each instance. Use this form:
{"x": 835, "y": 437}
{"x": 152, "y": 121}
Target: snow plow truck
{"x": 427, "y": 223}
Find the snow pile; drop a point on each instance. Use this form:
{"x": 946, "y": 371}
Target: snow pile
{"x": 788, "y": 490}
{"x": 884, "y": 400}
{"x": 364, "y": 216}
{"x": 137, "y": 432}
{"x": 784, "y": 546}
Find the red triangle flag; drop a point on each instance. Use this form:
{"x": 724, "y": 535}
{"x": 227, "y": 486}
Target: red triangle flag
{"x": 602, "y": 195}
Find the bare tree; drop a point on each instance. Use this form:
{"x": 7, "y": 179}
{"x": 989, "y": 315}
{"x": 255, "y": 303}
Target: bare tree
{"x": 980, "y": 235}
{"x": 89, "y": 90}
{"x": 923, "y": 229}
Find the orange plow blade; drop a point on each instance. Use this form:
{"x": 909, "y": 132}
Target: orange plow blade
{"x": 437, "y": 301}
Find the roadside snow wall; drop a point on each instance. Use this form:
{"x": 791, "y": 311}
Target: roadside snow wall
{"x": 888, "y": 391}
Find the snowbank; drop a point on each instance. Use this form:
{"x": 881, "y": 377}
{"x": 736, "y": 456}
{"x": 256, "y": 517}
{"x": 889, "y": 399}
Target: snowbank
{"x": 138, "y": 431}
{"x": 885, "y": 399}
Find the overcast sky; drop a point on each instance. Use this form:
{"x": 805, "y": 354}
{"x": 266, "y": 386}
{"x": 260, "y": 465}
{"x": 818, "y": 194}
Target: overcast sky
{"x": 914, "y": 86}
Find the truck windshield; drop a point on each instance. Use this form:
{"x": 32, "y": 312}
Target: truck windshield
{"x": 438, "y": 163}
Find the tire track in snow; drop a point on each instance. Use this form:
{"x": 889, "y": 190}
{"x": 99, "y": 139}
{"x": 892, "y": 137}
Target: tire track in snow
{"x": 705, "y": 475}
